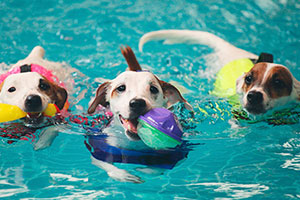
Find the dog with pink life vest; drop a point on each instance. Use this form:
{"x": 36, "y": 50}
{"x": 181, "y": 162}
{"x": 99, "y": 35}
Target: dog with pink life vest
{"x": 32, "y": 84}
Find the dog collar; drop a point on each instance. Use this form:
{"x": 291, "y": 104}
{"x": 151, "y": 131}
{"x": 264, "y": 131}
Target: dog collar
{"x": 32, "y": 68}
{"x": 265, "y": 57}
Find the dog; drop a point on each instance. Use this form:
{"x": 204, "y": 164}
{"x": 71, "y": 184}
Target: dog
{"x": 31, "y": 84}
{"x": 265, "y": 87}
{"x": 131, "y": 94}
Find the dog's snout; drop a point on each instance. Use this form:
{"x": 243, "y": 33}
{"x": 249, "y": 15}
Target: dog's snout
{"x": 33, "y": 103}
{"x": 137, "y": 107}
{"x": 254, "y": 97}
{"x": 137, "y": 104}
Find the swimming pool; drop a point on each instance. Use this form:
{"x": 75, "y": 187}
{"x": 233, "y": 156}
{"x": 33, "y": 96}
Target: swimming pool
{"x": 257, "y": 161}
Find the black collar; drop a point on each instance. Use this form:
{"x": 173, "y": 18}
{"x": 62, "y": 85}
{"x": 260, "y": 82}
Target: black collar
{"x": 265, "y": 57}
{"x": 25, "y": 68}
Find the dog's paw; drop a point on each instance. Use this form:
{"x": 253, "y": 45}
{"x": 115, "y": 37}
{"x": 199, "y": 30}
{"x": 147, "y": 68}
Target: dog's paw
{"x": 45, "y": 138}
{"x": 124, "y": 176}
{"x": 151, "y": 170}
{"x": 116, "y": 173}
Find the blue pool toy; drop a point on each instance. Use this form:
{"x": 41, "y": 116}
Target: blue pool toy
{"x": 165, "y": 159}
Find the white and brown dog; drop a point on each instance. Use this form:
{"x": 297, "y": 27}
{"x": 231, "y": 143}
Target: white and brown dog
{"x": 31, "y": 84}
{"x": 267, "y": 86}
{"x": 129, "y": 95}
{"x": 264, "y": 87}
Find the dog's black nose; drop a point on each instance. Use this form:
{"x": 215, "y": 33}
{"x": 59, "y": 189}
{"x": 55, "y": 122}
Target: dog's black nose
{"x": 254, "y": 97}
{"x": 33, "y": 103}
{"x": 137, "y": 105}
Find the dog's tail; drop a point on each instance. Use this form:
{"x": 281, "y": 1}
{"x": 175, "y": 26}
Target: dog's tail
{"x": 37, "y": 51}
{"x": 184, "y": 37}
{"x": 224, "y": 50}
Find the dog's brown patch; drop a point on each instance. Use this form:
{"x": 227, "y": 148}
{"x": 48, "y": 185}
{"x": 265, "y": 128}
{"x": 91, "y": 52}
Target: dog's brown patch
{"x": 100, "y": 97}
{"x": 257, "y": 74}
{"x": 171, "y": 92}
{"x": 279, "y": 82}
{"x": 131, "y": 60}
{"x": 56, "y": 93}
{"x": 114, "y": 93}
{"x": 1, "y": 85}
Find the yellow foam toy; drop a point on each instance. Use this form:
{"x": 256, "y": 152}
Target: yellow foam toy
{"x": 51, "y": 110}
{"x": 11, "y": 112}
{"x": 225, "y": 85}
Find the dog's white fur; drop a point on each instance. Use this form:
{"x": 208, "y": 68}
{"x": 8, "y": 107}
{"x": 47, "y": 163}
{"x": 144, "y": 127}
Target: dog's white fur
{"x": 137, "y": 85}
{"x": 27, "y": 84}
{"x": 225, "y": 52}
{"x": 36, "y": 56}
{"x": 268, "y": 103}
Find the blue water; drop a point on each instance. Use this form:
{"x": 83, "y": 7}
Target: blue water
{"x": 256, "y": 161}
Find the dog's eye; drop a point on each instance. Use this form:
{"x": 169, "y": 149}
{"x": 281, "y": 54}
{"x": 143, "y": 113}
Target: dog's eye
{"x": 153, "y": 89}
{"x": 278, "y": 83}
{"x": 121, "y": 88}
{"x": 248, "y": 79}
{"x": 11, "y": 89}
{"x": 43, "y": 85}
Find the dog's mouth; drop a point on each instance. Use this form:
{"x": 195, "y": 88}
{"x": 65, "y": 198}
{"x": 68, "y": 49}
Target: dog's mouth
{"x": 129, "y": 124}
{"x": 34, "y": 115}
{"x": 34, "y": 119}
{"x": 255, "y": 109}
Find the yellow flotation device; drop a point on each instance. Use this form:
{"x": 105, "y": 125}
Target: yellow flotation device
{"x": 10, "y": 112}
{"x": 225, "y": 85}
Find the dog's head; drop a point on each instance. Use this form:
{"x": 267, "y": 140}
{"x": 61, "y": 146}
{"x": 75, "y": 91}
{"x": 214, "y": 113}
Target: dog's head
{"x": 32, "y": 93}
{"x": 267, "y": 86}
{"x": 133, "y": 93}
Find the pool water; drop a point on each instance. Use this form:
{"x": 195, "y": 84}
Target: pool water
{"x": 256, "y": 161}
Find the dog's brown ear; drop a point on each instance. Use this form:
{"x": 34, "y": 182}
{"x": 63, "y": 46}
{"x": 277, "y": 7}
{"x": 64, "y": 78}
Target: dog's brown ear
{"x": 133, "y": 64}
{"x": 56, "y": 93}
{"x": 173, "y": 95}
{"x": 100, "y": 98}
{"x": 60, "y": 97}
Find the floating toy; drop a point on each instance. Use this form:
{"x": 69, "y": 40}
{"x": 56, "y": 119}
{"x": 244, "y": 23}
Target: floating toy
{"x": 11, "y": 112}
{"x": 159, "y": 129}
{"x": 225, "y": 85}
{"x": 51, "y": 110}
